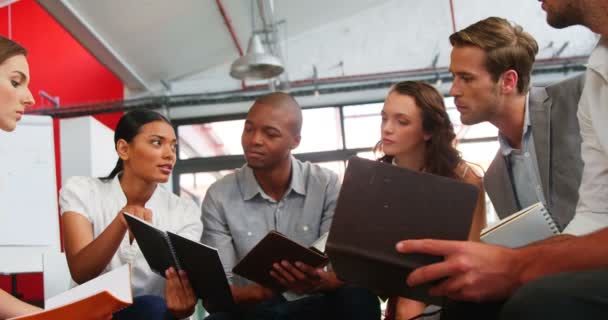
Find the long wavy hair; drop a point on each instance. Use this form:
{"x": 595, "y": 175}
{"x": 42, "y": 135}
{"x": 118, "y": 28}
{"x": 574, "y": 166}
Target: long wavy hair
{"x": 441, "y": 156}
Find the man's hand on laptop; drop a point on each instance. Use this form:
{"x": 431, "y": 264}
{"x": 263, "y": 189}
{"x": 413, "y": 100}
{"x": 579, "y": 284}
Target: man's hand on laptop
{"x": 470, "y": 271}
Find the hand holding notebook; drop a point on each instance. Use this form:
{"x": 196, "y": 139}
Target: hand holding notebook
{"x": 274, "y": 248}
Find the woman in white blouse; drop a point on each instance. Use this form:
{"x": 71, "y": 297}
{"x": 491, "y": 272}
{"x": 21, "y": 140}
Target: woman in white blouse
{"x": 14, "y": 98}
{"x": 96, "y": 235}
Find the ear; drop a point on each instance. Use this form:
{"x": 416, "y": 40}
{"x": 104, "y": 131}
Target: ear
{"x": 296, "y": 141}
{"x": 508, "y": 82}
{"x": 427, "y": 136}
{"x": 122, "y": 148}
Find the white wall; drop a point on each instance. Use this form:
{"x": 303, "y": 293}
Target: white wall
{"x": 87, "y": 148}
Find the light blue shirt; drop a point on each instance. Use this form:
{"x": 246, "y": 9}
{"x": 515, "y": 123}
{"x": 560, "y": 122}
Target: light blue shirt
{"x": 237, "y": 213}
{"x": 523, "y": 165}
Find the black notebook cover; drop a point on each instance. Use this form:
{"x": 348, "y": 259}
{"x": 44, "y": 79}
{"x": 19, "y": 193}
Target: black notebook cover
{"x": 273, "y": 248}
{"x": 381, "y": 204}
{"x": 153, "y": 243}
{"x": 205, "y": 272}
{"x": 201, "y": 263}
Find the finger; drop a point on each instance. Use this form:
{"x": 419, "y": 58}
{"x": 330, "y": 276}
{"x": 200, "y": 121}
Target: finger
{"x": 432, "y": 272}
{"x": 187, "y": 287}
{"x": 429, "y": 246}
{"x": 308, "y": 270}
{"x": 280, "y": 279}
{"x": 299, "y": 275}
{"x": 283, "y": 273}
{"x": 450, "y": 286}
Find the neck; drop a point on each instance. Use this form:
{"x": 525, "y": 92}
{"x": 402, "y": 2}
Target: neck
{"x": 510, "y": 119}
{"x": 136, "y": 190}
{"x": 275, "y": 181}
{"x": 595, "y": 19}
{"x": 413, "y": 160}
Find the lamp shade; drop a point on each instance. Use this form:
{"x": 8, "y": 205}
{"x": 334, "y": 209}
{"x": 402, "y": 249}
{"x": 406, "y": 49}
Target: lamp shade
{"x": 256, "y": 64}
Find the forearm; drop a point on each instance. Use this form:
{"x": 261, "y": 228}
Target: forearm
{"x": 12, "y": 307}
{"x": 407, "y": 308}
{"x": 563, "y": 254}
{"x": 91, "y": 260}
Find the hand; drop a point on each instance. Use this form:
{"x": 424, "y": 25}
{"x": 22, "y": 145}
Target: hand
{"x": 179, "y": 294}
{"x": 140, "y": 212}
{"x": 251, "y": 294}
{"x": 303, "y": 278}
{"x": 472, "y": 271}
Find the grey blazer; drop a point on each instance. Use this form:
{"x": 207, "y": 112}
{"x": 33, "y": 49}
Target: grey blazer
{"x": 557, "y": 141}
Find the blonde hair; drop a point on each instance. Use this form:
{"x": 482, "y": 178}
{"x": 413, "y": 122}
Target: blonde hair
{"x": 507, "y": 46}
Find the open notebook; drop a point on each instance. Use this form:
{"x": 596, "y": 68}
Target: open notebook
{"x": 531, "y": 224}
{"x": 96, "y": 299}
{"x": 201, "y": 263}
{"x": 273, "y": 248}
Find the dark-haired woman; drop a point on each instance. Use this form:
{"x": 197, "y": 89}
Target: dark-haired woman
{"x": 417, "y": 134}
{"x": 14, "y": 98}
{"x": 95, "y": 232}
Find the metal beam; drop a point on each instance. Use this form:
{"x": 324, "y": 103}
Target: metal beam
{"x": 81, "y": 30}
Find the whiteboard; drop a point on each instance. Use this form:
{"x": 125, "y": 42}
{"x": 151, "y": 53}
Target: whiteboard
{"x": 29, "y": 221}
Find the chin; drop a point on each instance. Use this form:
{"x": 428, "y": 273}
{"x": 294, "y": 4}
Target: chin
{"x": 8, "y": 127}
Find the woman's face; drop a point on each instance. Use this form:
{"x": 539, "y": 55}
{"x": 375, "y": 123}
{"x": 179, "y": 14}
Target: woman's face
{"x": 151, "y": 154}
{"x": 401, "y": 128}
{"x": 14, "y": 93}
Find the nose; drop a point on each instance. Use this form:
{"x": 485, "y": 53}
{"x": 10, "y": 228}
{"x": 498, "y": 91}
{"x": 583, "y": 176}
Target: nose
{"x": 387, "y": 127}
{"x": 28, "y": 99}
{"x": 170, "y": 153}
{"x": 455, "y": 89}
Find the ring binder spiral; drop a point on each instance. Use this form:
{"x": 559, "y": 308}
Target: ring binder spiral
{"x": 529, "y": 225}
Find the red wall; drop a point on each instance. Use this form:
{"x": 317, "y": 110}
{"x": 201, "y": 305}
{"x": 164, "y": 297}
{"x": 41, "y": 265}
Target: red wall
{"x": 60, "y": 66}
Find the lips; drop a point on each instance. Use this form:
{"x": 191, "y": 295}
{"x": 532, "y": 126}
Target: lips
{"x": 387, "y": 141}
{"x": 166, "y": 169}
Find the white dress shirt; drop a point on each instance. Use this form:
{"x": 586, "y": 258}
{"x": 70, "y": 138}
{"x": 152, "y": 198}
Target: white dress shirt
{"x": 99, "y": 201}
{"x": 592, "y": 208}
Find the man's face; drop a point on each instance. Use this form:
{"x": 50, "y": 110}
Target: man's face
{"x": 268, "y": 136}
{"x": 563, "y": 13}
{"x": 475, "y": 92}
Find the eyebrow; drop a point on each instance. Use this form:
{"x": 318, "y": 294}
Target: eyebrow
{"x": 160, "y": 137}
{"x": 21, "y": 74}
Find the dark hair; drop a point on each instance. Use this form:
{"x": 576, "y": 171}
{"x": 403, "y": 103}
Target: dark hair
{"x": 128, "y": 127}
{"x": 441, "y": 156}
{"x": 9, "y": 49}
{"x": 507, "y": 47}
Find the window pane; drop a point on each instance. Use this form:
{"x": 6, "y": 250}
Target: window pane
{"x": 479, "y": 153}
{"x": 195, "y": 185}
{"x": 320, "y": 130}
{"x": 210, "y": 139}
{"x": 362, "y": 125}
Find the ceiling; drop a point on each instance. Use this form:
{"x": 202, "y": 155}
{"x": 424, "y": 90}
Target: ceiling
{"x": 146, "y": 41}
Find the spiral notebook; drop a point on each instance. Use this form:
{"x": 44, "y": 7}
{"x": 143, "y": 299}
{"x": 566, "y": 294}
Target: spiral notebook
{"x": 201, "y": 263}
{"x": 531, "y": 224}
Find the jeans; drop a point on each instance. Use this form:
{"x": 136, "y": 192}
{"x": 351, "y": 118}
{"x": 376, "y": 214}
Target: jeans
{"x": 145, "y": 308}
{"x": 343, "y": 303}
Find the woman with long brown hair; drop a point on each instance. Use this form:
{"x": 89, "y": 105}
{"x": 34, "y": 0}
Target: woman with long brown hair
{"x": 15, "y": 96}
{"x": 417, "y": 134}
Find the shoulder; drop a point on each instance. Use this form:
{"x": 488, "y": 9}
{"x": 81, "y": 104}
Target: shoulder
{"x": 470, "y": 173}
{"x": 80, "y": 184}
{"x": 316, "y": 174}
{"x": 176, "y": 202}
{"x": 225, "y": 184}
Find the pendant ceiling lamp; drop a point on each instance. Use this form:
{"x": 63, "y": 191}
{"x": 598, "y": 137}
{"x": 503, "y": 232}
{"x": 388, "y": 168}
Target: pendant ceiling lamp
{"x": 256, "y": 64}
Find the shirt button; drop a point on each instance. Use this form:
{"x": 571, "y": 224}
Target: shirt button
{"x": 249, "y": 233}
{"x": 305, "y": 228}
{"x": 527, "y": 154}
